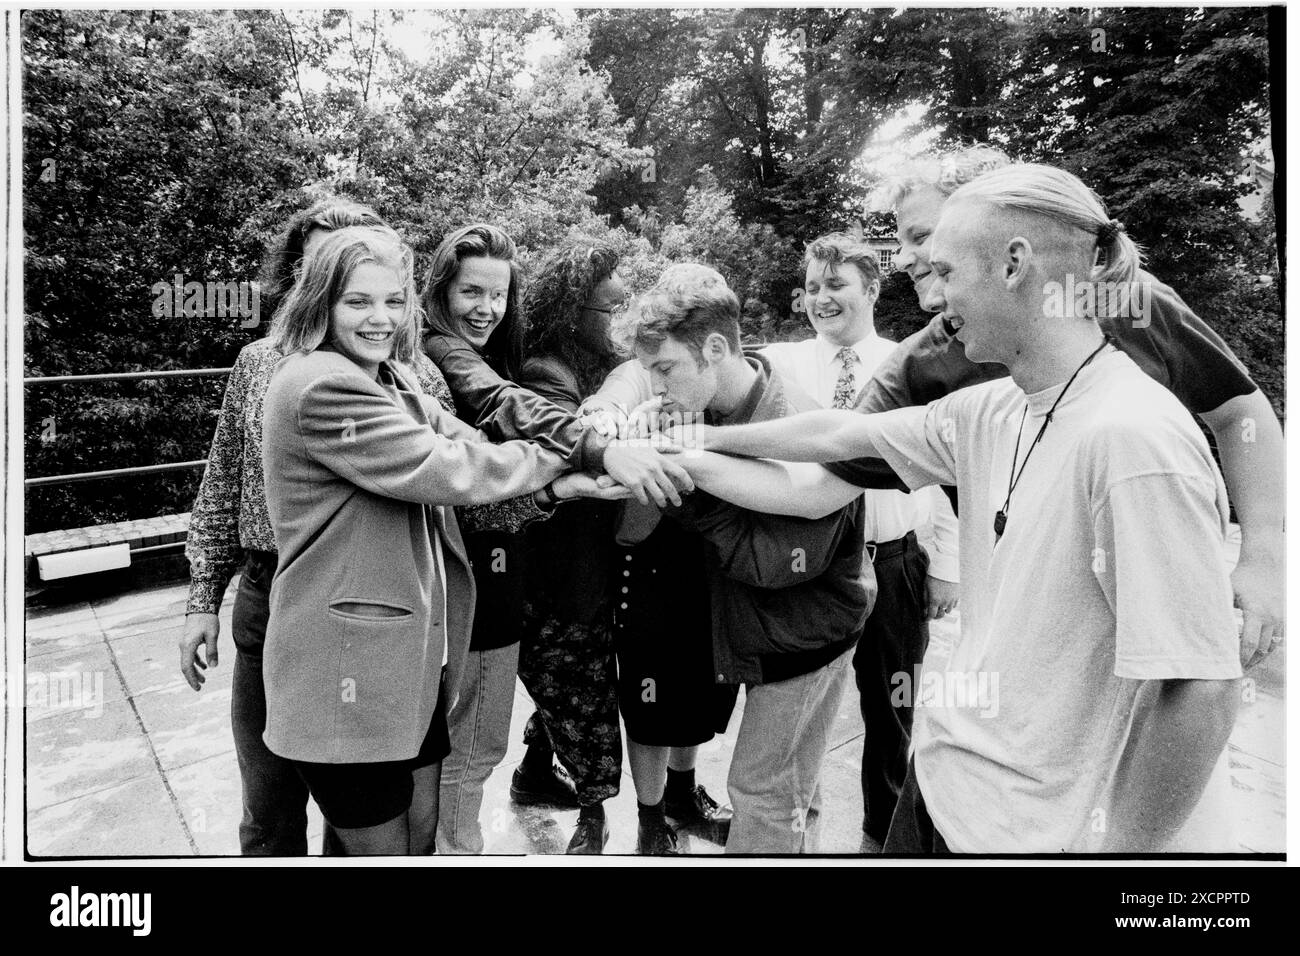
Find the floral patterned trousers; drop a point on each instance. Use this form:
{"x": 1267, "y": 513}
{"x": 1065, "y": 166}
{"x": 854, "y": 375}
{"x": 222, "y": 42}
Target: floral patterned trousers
{"x": 568, "y": 669}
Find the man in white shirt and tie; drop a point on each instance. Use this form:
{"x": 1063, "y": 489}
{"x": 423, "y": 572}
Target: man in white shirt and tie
{"x": 841, "y": 285}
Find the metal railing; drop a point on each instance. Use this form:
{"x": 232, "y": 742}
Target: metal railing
{"x": 119, "y": 377}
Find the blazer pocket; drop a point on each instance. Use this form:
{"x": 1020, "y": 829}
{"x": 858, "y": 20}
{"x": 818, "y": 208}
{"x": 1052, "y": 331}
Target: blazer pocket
{"x": 369, "y": 609}
{"x": 380, "y": 670}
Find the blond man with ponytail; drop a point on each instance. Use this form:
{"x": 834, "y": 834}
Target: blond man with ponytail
{"x": 1087, "y": 703}
{"x": 1155, "y": 328}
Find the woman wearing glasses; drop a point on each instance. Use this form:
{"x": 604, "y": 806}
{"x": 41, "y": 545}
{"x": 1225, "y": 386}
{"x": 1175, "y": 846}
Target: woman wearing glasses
{"x": 566, "y": 658}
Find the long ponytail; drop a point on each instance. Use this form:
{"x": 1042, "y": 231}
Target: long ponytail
{"x": 1060, "y": 196}
{"x": 1118, "y": 256}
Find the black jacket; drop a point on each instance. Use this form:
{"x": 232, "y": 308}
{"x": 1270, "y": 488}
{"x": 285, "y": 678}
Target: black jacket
{"x": 789, "y": 594}
{"x": 569, "y": 556}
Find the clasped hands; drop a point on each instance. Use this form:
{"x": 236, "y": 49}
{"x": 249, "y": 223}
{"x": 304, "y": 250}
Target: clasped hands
{"x": 636, "y": 462}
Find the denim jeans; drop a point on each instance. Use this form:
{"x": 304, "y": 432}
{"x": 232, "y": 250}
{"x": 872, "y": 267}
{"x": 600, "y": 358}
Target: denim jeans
{"x": 479, "y": 726}
{"x": 275, "y": 798}
{"x": 773, "y": 783}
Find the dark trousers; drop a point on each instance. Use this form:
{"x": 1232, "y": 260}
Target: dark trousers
{"x": 275, "y": 798}
{"x": 912, "y": 830}
{"x": 893, "y": 642}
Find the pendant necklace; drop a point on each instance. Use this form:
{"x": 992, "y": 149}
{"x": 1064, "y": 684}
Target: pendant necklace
{"x": 1013, "y": 479}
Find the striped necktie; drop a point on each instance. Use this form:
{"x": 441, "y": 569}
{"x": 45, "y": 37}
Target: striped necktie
{"x": 846, "y": 387}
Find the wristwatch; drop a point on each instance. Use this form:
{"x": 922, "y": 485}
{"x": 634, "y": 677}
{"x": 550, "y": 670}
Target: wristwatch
{"x": 545, "y": 498}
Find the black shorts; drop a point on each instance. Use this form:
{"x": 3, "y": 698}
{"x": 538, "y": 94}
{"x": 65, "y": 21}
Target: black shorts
{"x": 356, "y": 795}
{"x": 663, "y": 636}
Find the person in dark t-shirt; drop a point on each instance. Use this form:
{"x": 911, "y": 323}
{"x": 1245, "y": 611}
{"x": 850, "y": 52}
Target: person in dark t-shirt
{"x": 1168, "y": 341}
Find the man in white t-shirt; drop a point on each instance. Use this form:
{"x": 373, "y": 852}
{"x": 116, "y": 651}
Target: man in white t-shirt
{"x": 841, "y": 285}
{"x": 1090, "y": 696}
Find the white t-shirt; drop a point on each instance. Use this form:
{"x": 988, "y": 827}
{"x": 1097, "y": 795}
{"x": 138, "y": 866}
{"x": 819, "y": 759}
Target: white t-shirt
{"x": 1109, "y": 578}
{"x": 814, "y": 365}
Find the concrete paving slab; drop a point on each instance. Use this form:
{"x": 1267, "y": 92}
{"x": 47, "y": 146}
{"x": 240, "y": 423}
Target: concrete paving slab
{"x": 173, "y": 625}
{"x": 75, "y": 754}
{"x": 132, "y": 818}
{"x": 106, "y": 763}
{"x": 841, "y": 800}
{"x": 512, "y": 830}
{"x": 208, "y": 793}
{"x": 141, "y": 599}
{"x": 1259, "y": 803}
{"x": 53, "y": 624}
{"x": 158, "y": 619}
{"x": 1261, "y": 728}
{"x": 847, "y": 725}
{"x": 56, "y": 639}
{"x": 151, "y": 662}
{"x": 59, "y": 614}
{"x": 79, "y": 679}
{"x": 185, "y": 727}
{"x": 210, "y": 797}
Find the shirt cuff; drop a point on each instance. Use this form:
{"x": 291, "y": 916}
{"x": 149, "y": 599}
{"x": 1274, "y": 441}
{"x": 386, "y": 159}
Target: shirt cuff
{"x": 206, "y": 595}
{"x": 944, "y": 567}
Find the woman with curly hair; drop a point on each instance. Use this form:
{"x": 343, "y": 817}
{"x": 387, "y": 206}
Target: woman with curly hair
{"x": 566, "y": 658}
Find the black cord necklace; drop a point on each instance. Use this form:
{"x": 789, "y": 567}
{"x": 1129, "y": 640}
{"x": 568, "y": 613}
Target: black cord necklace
{"x": 1013, "y": 479}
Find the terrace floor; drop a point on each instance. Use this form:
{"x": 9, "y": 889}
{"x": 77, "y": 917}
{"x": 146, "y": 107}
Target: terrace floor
{"x": 138, "y": 764}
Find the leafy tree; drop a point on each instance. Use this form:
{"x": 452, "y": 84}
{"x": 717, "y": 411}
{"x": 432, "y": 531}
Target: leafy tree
{"x": 175, "y": 142}
{"x": 149, "y": 137}
{"x": 1159, "y": 109}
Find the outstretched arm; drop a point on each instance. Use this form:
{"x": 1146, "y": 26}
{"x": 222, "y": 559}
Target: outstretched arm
{"x": 771, "y": 487}
{"x": 507, "y": 411}
{"x": 352, "y": 428}
{"x": 817, "y": 436}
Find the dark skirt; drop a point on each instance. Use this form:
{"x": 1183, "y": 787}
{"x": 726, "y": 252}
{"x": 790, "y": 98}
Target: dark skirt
{"x": 356, "y": 795}
{"x": 499, "y": 561}
{"x": 663, "y": 635}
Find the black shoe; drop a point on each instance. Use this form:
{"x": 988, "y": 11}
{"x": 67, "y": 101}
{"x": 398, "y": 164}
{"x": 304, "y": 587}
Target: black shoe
{"x": 554, "y": 789}
{"x": 700, "y": 813}
{"x": 591, "y": 836}
{"x": 655, "y": 838}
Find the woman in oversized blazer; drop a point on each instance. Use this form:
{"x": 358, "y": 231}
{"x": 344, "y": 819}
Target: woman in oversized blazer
{"x": 372, "y": 597}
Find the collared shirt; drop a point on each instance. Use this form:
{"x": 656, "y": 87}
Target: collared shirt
{"x": 815, "y": 366}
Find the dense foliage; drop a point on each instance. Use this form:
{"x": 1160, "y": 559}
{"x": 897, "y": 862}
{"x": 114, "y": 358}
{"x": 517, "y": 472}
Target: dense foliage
{"x": 171, "y": 143}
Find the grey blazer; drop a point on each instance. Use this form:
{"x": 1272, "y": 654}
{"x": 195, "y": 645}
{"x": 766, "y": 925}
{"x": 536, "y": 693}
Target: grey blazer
{"x": 373, "y": 584}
